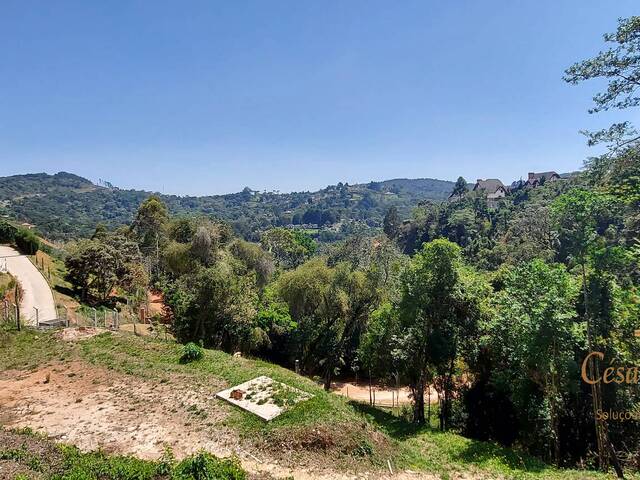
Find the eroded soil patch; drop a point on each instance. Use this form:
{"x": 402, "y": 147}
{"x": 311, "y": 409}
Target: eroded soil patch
{"x": 93, "y": 407}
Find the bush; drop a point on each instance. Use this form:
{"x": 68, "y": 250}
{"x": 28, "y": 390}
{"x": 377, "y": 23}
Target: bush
{"x": 27, "y": 241}
{"x": 204, "y": 466}
{"x": 38, "y": 457}
{"x": 191, "y": 352}
{"x": 7, "y": 233}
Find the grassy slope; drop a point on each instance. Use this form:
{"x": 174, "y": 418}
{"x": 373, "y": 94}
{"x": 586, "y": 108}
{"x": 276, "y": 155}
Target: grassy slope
{"x": 357, "y": 428}
{"x": 26, "y": 455}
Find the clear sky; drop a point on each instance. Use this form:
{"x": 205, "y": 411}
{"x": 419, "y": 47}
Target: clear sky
{"x": 204, "y": 97}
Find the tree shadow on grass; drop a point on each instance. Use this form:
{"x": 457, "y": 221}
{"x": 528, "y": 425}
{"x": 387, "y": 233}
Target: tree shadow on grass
{"x": 457, "y": 448}
{"x": 396, "y": 427}
{"x": 64, "y": 290}
{"x": 479, "y": 453}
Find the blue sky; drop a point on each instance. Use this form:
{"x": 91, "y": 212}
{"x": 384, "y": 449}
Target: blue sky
{"x": 205, "y": 97}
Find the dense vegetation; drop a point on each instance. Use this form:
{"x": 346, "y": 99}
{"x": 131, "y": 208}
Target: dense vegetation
{"x": 326, "y": 430}
{"x": 65, "y": 206}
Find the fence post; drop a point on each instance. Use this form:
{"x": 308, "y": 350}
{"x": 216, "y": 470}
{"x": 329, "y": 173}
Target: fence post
{"x": 95, "y": 317}
{"x": 37, "y": 316}
{"x": 116, "y": 319}
{"x": 66, "y": 315}
{"x": 17, "y": 307}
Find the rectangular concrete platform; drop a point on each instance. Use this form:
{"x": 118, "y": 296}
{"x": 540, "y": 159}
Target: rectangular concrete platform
{"x": 264, "y": 397}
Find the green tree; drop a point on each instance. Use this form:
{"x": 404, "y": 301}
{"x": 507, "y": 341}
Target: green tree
{"x": 391, "y": 223}
{"x": 27, "y": 241}
{"x": 436, "y": 317}
{"x": 255, "y": 259}
{"x": 620, "y": 66}
{"x": 149, "y": 226}
{"x": 216, "y": 307}
{"x": 289, "y": 248}
{"x": 331, "y": 307}
{"x": 537, "y": 332}
{"x": 7, "y": 232}
{"x": 96, "y": 267}
{"x": 580, "y": 216}
{"x": 374, "y": 353}
{"x": 460, "y": 188}
{"x": 182, "y": 230}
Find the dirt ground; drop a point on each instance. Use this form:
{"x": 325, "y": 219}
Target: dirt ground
{"x": 384, "y": 396}
{"x": 98, "y": 408}
{"x": 156, "y": 303}
{"x": 94, "y": 407}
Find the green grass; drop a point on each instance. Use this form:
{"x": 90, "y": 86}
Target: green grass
{"x": 38, "y": 457}
{"x": 6, "y": 283}
{"x": 445, "y": 453}
{"x": 347, "y": 434}
{"x": 29, "y": 349}
{"x": 157, "y": 359}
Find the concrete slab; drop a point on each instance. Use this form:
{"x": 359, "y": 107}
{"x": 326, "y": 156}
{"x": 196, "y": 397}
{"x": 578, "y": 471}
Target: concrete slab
{"x": 264, "y": 397}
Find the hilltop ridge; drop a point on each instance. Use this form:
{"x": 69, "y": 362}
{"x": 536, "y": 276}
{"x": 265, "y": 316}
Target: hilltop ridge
{"x": 64, "y": 206}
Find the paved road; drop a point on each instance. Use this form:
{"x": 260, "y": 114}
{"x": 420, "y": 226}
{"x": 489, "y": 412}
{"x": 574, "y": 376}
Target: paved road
{"x": 36, "y": 291}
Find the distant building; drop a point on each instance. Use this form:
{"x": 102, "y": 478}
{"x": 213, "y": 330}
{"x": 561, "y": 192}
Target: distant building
{"x": 493, "y": 188}
{"x": 536, "y": 179}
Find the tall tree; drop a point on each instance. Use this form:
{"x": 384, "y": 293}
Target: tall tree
{"x": 620, "y": 66}
{"x": 391, "y": 223}
{"x": 460, "y": 188}
{"x": 536, "y": 329}
{"x": 149, "y": 226}
{"x": 579, "y": 218}
{"x": 435, "y": 314}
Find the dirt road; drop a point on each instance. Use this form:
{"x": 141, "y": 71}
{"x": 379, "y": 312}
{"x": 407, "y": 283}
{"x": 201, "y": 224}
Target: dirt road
{"x": 36, "y": 291}
{"x": 384, "y": 396}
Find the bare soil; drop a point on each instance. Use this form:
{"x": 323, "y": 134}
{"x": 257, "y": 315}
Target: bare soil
{"x": 94, "y": 407}
{"x": 384, "y": 396}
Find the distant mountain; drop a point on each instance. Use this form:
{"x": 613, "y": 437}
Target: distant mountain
{"x": 17, "y": 186}
{"x": 65, "y": 206}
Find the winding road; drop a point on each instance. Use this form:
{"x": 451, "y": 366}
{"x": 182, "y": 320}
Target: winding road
{"x": 36, "y": 291}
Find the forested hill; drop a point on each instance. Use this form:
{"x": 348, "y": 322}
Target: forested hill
{"x": 65, "y": 206}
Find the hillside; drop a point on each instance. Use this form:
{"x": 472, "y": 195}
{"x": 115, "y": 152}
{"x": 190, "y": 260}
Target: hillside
{"x": 65, "y": 206}
{"x": 111, "y": 390}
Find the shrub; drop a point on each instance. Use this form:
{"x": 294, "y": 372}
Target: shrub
{"x": 204, "y": 466}
{"x": 27, "y": 241}
{"x": 7, "y": 232}
{"x": 191, "y": 352}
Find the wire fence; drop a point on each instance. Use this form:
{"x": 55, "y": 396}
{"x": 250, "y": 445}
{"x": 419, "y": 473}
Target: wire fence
{"x": 8, "y": 313}
{"x": 131, "y": 316}
{"x": 114, "y": 319}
